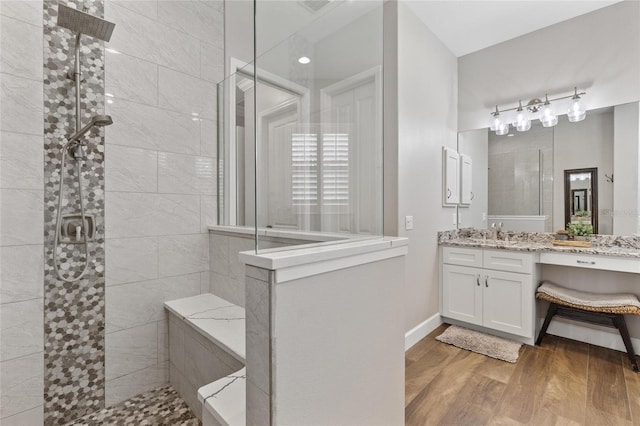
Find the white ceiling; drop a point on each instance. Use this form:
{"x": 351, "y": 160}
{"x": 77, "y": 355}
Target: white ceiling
{"x": 467, "y": 26}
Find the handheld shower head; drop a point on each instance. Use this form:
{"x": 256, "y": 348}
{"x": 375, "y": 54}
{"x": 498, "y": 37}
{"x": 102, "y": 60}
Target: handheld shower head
{"x": 97, "y": 120}
{"x": 102, "y": 120}
{"x": 83, "y": 23}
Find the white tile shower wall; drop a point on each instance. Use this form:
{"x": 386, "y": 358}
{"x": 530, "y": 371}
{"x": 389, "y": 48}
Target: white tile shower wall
{"x": 21, "y": 214}
{"x": 227, "y": 273}
{"x": 159, "y": 178}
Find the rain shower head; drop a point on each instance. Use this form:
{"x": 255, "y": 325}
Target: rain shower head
{"x": 83, "y": 23}
{"x": 96, "y": 120}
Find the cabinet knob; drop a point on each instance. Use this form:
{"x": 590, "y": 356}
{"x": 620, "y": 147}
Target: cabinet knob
{"x": 486, "y": 281}
{"x": 478, "y": 280}
{"x": 448, "y": 193}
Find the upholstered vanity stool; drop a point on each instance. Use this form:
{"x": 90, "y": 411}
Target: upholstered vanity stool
{"x": 601, "y": 309}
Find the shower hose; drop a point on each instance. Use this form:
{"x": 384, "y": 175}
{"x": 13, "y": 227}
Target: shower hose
{"x": 59, "y": 217}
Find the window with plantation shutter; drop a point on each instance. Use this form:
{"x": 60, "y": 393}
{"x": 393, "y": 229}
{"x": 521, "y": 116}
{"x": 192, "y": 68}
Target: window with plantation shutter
{"x": 304, "y": 159}
{"x": 335, "y": 169}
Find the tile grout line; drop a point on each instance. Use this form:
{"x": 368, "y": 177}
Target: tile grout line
{"x": 21, "y": 412}
{"x": 22, "y": 77}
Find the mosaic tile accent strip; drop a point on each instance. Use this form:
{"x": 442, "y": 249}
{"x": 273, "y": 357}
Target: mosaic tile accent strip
{"x": 161, "y": 406}
{"x": 74, "y": 348}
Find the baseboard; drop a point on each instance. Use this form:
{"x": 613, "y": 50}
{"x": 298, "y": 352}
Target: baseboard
{"x": 598, "y": 336}
{"x": 421, "y": 330}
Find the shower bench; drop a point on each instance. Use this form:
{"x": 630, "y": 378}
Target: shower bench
{"x": 207, "y": 357}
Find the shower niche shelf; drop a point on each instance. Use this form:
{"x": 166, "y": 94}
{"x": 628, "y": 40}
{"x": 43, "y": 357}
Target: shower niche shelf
{"x": 72, "y": 229}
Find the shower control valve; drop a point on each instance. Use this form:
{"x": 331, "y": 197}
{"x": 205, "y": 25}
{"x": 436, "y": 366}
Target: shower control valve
{"x": 73, "y": 229}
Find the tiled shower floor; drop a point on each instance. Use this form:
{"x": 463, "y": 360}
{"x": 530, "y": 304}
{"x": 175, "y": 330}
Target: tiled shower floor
{"x": 161, "y": 406}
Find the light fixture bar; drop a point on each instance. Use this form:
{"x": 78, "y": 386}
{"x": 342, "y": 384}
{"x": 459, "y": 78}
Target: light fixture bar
{"x": 540, "y": 103}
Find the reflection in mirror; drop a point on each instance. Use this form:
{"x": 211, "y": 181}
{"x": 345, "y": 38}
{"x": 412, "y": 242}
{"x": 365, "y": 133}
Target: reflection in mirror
{"x": 474, "y": 145}
{"x": 581, "y": 196}
{"x": 521, "y": 179}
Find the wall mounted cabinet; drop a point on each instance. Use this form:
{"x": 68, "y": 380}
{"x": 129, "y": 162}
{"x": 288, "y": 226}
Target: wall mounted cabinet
{"x": 450, "y": 178}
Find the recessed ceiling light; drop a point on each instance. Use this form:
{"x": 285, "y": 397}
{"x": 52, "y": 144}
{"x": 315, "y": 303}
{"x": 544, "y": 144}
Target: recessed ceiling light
{"x": 304, "y": 60}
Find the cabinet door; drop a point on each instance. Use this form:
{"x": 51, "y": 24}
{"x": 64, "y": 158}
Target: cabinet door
{"x": 508, "y": 302}
{"x": 450, "y": 191}
{"x": 466, "y": 179}
{"x": 462, "y": 293}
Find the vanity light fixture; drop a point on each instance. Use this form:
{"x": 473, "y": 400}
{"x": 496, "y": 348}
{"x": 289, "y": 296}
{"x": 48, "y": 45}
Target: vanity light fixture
{"x": 544, "y": 111}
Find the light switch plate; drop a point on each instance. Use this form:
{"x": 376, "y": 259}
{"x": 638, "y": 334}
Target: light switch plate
{"x": 408, "y": 223}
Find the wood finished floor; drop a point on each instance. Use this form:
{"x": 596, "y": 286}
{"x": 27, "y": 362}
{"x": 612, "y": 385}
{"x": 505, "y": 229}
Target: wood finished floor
{"x": 563, "y": 382}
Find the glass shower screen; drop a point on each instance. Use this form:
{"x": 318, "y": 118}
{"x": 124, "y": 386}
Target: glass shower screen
{"x": 305, "y": 150}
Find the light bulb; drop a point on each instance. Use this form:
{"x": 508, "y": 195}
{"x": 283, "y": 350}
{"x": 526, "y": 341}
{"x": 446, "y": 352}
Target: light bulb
{"x": 547, "y": 117}
{"x": 577, "y": 111}
{"x": 522, "y": 121}
{"x": 503, "y": 129}
{"x": 523, "y": 125}
{"x": 496, "y": 121}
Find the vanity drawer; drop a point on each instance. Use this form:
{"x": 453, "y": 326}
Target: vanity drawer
{"x": 607, "y": 263}
{"x": 462, "y": 256}
{"x": 509, "y": 261}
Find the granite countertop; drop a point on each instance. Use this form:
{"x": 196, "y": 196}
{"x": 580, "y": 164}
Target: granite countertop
{"x": 604, "y": 245}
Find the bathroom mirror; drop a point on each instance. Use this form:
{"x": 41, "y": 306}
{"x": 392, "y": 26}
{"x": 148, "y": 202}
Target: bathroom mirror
{"x": 581, "y": 196}
{"x": 524, "y": 173}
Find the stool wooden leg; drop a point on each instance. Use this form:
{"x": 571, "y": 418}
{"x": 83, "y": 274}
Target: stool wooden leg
{"x": 553, "y": 308}
{"x": 621, "y": 325}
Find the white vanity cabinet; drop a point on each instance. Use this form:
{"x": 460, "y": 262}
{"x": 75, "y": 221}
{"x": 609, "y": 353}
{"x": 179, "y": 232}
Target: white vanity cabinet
{"x": 494, "y": 289}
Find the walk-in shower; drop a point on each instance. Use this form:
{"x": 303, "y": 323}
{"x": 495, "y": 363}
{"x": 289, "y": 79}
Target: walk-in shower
{"x": 78, "y": 229}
